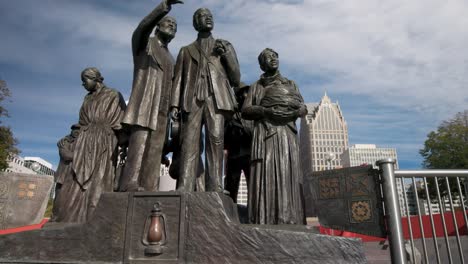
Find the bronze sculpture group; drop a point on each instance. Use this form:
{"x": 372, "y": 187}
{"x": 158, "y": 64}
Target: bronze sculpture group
{"x": 200, "y": 91}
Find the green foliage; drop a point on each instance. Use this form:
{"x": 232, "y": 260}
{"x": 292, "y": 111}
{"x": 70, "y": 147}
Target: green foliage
{"x": 7, "y": 141}
{"x": 7, "y": 146}
{"x": 50, "y": 207}
{"x": 4, "y": 94}
{"x": 446, "y": 148}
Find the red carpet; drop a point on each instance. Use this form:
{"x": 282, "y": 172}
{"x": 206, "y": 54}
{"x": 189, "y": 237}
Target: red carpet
{"x": 23, "y": 228}
{"x": 426, "y": 220}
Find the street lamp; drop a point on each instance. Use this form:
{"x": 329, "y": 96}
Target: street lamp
{"x": 36, "y": 167}
{"x": 329, "y": 157}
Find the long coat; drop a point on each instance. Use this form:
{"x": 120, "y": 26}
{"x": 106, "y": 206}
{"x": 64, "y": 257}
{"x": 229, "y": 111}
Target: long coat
{"x": 224, "y": 74}
{"x": 152, "y": 76}
{"x": 94, "y": 156}
{"x": 275, "y": 176}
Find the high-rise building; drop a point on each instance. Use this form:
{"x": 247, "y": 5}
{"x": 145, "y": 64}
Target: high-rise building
{"x": 323, "y": 136}
{"x": 367, "y": 154}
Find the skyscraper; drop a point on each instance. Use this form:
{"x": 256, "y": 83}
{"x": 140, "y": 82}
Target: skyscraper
{"x": 323, "y": 136}
{"x": 367, "y": 154}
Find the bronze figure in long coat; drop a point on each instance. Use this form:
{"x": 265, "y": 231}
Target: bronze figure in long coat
{"x": 275, "y": 179}
{"x": 205, "y": 73}
{"x": 95, "y": 152}
{"x": 148, "y": 107}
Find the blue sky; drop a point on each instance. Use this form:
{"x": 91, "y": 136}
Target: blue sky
{"x": 397, "y": 67}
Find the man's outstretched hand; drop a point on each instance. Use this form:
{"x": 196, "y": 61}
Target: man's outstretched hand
{"x": 173, "y": 2}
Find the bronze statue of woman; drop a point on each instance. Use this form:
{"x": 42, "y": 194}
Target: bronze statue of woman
{"x": 95, "y": 152}
{"x": 274, "y": 103}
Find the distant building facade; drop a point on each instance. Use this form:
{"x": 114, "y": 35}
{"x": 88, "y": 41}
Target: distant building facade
{"x": 243, "y": 190}
{"x": 44, "y": 168}
{"x": 166, "y": 182}
{"x": 323, "y": 136}
{"x": 30, "y": 165}
{"x": 367, "y": 154}
{"x": 412, "y": 193}
{"x": 16, "y": 165}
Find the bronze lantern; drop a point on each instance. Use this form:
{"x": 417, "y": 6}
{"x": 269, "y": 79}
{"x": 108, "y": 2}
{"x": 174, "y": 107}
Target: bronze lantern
{"x": 154, "y": 234}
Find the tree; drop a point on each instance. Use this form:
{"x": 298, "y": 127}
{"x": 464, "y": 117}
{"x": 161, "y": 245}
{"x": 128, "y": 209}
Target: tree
{"x": 447, "y": 148}
{"x": 7, "y": 141}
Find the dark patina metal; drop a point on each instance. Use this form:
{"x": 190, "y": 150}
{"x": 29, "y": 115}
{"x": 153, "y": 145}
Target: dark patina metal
{"x": 347, "y": 199}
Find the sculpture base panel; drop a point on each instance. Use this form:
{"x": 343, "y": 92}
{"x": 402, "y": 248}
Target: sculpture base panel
{"x": 199, "y": 228}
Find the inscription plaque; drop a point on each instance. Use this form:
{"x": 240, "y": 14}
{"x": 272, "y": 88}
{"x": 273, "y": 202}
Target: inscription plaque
{"x": 23, "y": 198}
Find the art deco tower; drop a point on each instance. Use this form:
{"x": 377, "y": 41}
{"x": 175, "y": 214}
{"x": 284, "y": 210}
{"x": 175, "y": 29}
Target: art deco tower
{"x": 323, "y": 136}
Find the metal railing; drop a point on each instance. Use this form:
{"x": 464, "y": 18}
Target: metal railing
{"x": 404, "y": 253}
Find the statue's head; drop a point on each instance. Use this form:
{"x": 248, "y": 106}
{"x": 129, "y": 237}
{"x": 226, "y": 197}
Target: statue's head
{"x": 91, "y": 77}
{"x": 167, "y": 28}
{"x": 75, "y": 130}
{"x": 203, "y": 20}
{"x": 268, "y": 60}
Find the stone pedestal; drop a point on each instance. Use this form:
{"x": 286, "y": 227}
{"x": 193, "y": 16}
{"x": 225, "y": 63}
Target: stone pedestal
{"x": 23, "y": 198}
{"x": 200, "y": 228}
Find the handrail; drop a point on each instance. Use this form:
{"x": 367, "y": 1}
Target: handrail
{"x": 389, "y": 176}
{"x": 431, "y": 173}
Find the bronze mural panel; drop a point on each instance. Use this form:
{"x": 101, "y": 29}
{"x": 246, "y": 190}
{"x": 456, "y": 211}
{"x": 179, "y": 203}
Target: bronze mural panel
{"x": 346, "y": 199}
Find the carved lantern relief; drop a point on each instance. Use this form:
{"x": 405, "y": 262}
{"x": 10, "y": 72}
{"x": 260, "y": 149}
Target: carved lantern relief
{"x": 154, "y": 233}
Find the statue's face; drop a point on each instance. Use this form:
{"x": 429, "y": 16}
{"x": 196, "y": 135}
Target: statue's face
{"x": 271, "y": 62}
{"x": 88, "y": 83}
{"x": 205, "y": 21}
{"x": 168, "y": 27}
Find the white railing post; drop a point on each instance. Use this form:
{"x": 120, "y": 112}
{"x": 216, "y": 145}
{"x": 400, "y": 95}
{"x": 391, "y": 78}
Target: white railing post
{"x": 392, "y": 211}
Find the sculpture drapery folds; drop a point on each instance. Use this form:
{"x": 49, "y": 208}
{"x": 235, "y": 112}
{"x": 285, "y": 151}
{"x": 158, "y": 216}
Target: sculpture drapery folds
{"x": 275, "y": 177}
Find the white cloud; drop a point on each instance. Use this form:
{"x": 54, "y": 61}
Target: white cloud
{"x": 406, "y": 55}
{"x": 409, "y": 54}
